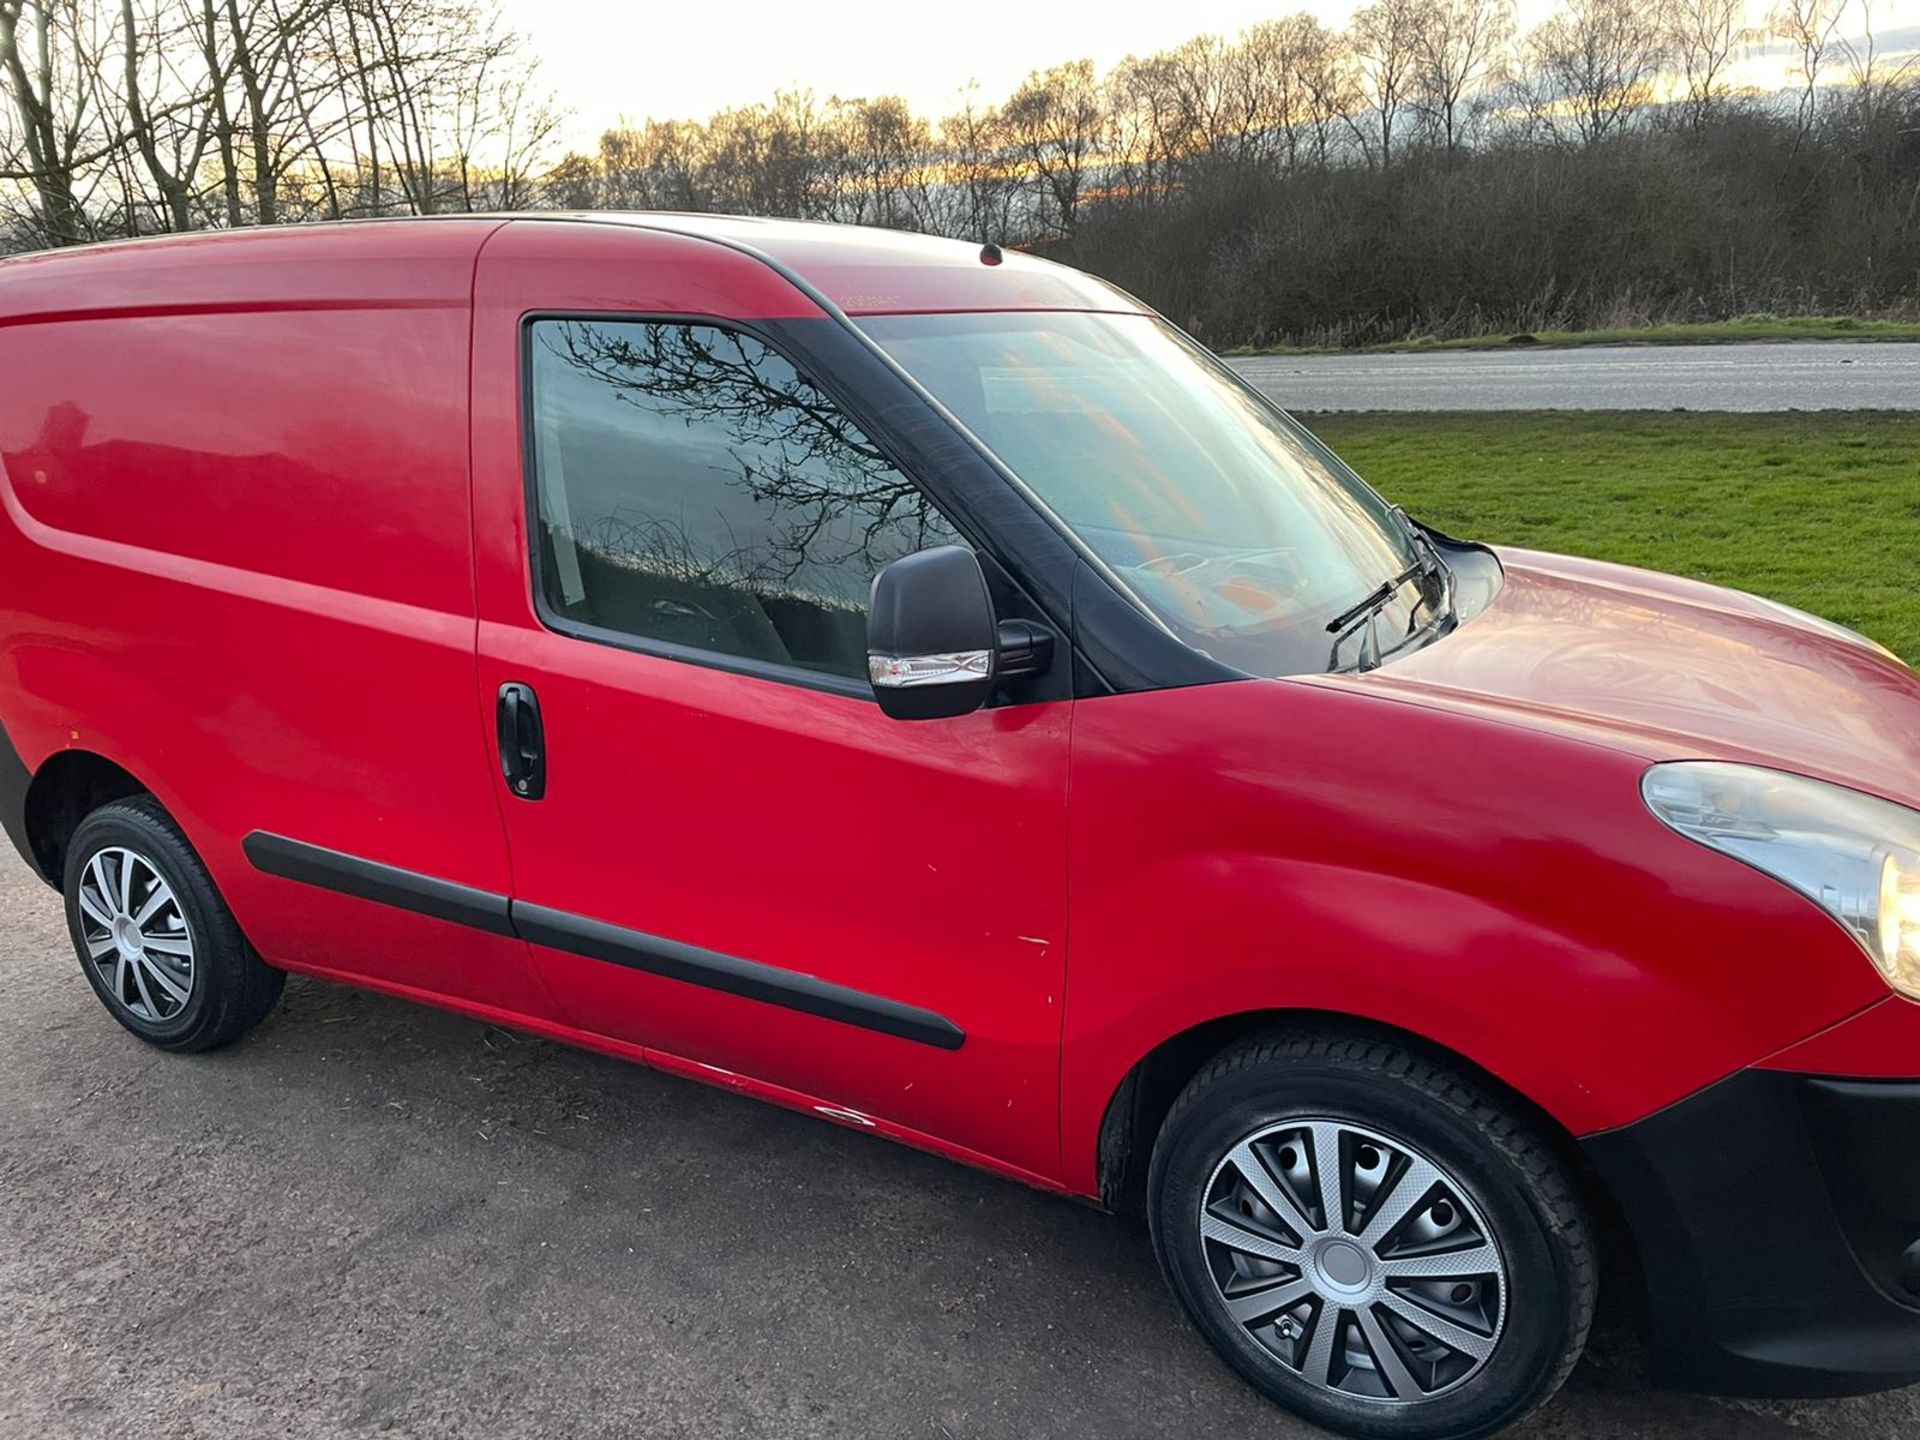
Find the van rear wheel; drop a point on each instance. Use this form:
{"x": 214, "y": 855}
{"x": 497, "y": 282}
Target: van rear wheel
{"x": 1373, "y": 1240}
{"x": 155, "y": 940}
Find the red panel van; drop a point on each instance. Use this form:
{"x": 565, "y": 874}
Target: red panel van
{"x": 923, "y": 687}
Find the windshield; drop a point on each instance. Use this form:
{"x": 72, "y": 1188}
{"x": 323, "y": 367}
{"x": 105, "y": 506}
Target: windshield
{"x": 1230, "y": 523}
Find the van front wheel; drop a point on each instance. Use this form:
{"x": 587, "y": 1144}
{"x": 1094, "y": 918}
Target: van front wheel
{"x": 155, "y": 940}
{"x": 1373, "y": 1240}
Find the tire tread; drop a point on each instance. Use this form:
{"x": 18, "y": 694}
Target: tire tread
{"x": 244, "y": 987}
{"x": 1554, "y": 1193}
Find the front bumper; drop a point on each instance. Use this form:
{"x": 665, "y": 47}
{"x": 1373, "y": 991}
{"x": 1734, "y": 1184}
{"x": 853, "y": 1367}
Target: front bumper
{"x": 1774, "y": 1214}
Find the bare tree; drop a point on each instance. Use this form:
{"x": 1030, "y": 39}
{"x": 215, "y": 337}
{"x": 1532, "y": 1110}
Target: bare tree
{"x": 1809, "y": 26}
{"x": 428, "y": 105}
{"x": 1702, "y": 36}
{"x": 1239, "y": 182}
{"x": 733, "y": 159}
{"x": 1054, "y": 119}
{"x": 1200, "y": 76}
{"x": 979, "y": 170}
{"x": 662, "y": 165}
{"x": 1592, "y": 67}
{"x": 276, "y": 115}
{"x": 1877, "y": 78}
{"x": 52, "y": 53}
{"x": 1325, "y": 70}
{"x": 1270, "y": 100}
{"x": 171, "y": 147}
{"x": 1145, "y": 126}
{"x": 886, "y": 171}
{"x": 799, "y": 143}
{"x": 1462, "y": 47}
{"x": 1386, "y": 39}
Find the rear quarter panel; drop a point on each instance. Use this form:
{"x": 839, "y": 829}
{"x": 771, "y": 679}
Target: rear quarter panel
{"x": 236, "y": 561}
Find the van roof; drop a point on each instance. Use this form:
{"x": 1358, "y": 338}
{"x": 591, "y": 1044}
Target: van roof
{"x": 428, "y": 260}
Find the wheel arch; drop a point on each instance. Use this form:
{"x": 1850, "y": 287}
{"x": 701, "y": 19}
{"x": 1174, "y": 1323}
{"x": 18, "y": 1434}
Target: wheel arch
{"x": 1139, "y": 1104}
{"x": 67, "y": 788}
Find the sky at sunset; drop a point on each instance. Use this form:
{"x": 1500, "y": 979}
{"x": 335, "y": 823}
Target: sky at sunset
{"x": 608, "y": 60}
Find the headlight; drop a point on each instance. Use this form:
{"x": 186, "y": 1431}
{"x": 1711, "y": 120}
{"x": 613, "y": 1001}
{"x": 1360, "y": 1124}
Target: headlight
{"x": 1854, "y": 855}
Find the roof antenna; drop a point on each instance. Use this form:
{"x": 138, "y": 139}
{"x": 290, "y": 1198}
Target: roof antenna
{"x": 990, "y": 254}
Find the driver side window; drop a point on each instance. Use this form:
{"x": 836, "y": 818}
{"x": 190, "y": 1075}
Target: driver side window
{"x": 695, "y": 491}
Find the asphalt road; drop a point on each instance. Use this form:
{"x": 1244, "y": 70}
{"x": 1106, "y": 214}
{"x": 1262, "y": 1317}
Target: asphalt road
{"x": 1800, "y": 375}
{"x": 369, "y": 1218}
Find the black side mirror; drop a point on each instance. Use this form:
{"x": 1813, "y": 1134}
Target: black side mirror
{"x": 932, "y": 643}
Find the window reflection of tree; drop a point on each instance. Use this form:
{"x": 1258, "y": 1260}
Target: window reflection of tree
{"x": 828, "y": 498}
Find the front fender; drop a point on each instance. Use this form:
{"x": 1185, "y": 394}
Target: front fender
{"x": 1504, "y": 894}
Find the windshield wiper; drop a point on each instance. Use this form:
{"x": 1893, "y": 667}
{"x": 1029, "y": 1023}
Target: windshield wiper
{"x": 1375, "y": 602}
{"x": 1359, "y": 618}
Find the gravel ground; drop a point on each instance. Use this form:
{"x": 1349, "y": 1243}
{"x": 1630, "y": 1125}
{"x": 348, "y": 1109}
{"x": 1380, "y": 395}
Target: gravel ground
{"x": 370, "y": 1218}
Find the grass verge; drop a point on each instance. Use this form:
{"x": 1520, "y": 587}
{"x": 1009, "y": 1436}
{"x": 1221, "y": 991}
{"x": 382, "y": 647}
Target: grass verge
{"x": 1721, "y": 332}
{"x": 1820, "y": 510}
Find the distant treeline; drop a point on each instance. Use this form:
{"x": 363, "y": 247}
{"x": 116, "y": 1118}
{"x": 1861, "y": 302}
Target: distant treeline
{"x": 1426, "y": 170}
{"x": 134, "y": 117}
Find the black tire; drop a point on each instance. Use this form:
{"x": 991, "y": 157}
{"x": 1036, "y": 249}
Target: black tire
{"x": 231, "y": 989}
{"x": 1499, "y": 1165}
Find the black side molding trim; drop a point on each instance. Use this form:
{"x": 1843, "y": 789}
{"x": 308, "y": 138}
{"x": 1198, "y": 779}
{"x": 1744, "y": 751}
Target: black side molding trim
{"x": 596, "y": 940}
{"x": 382, "y": 884}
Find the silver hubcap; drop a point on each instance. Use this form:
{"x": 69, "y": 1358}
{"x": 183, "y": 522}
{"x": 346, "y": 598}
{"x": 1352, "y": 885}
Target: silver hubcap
{"x": 1354, "y": 1260}
{"x": 136, "y": 936}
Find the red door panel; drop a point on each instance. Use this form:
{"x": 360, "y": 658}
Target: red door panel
{"x": 764, "y": 821}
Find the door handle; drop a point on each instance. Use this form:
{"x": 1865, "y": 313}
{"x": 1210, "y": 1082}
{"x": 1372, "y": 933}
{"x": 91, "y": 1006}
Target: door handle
{"x": 523, "y": 741}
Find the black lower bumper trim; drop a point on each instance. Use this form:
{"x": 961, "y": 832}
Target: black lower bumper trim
{"x": 1771, "y": 1213}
